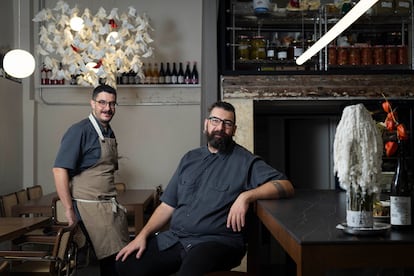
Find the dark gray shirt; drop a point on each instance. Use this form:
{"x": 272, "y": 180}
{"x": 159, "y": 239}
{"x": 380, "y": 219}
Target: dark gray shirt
{"x": 202, "y": 190}
{"x": 80, "y": 148}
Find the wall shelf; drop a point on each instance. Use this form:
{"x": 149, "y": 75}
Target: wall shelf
{"x": 128, "y": 95}
{"x": 120, "y": 86}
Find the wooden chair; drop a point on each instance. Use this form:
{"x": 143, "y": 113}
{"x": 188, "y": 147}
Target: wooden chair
{"x": 59, "y": 261}
{"x": 4, "y": 268}
{"x": 6, "y": 204}
{"x": 120, "y": 187}
{"x": 22, "y": 196}
{"x": 47, "y": 235}
{"x": 35, "y": 191}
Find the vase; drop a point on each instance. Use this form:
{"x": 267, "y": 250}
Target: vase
{"x": 359, "y": 208}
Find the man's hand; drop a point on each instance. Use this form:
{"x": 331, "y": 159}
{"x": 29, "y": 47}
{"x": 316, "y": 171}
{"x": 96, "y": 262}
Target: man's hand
{"x": 139, "y": 244}
{"x": 237, "y": 215}
{"x": 70, "y": 216}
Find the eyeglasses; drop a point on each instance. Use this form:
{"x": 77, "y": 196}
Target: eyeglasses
{"x": 217, "y": 121}
{"x": 103, "y": 103}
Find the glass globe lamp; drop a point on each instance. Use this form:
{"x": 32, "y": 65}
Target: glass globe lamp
{"x": 19, "y": 63}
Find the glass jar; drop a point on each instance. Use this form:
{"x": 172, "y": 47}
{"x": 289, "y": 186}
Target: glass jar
{"x": 295, "y": 50}
{"x": 354, "y": 56}
{"x": 332, "y": 55}
{"x": 366, "y": 55}
{"x": 390, "y": 55}
{"x": 379, "y": 55}
{"x": 342, "y": 56}
{"x": 243, "y": 45}
{"x": 402, "y": 54}
{"x": 258, "y": 48}
{"x": 282, "y": 53}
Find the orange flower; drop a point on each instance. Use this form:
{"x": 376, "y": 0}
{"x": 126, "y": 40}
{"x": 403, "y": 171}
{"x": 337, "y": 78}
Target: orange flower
{"x": 392, "y": 125}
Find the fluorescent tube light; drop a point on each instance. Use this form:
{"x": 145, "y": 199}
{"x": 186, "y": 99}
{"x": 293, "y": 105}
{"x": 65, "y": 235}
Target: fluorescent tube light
{"x": 359, "y": 9}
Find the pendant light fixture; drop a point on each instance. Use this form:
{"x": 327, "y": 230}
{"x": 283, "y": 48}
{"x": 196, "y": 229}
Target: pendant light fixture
{"x": 19, "y": 63}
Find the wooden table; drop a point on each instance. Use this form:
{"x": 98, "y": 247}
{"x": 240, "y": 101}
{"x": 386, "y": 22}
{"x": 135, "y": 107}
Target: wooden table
{"x": 41, "y": 206}
{"x": 305, "y": 227}
{"x": 134, "y": 200}
{"x": 13, "y": 227}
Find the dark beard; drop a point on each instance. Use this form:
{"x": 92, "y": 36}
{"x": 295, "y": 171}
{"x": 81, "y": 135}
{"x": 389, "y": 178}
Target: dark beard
{"x": 222, "y": 144}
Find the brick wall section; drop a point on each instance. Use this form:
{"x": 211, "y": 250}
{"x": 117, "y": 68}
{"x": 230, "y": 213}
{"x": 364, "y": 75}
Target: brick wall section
{"x": 260, "y": 87}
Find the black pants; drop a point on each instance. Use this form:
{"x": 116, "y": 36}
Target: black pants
{"x": 107, "y": 266}
{"x": 203, "y": 258}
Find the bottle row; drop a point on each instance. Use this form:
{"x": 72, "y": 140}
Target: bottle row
{"x": 158, "y": 74}
{"x": 152, "y": 74}
{"x": 368, "y": 55}
{"x": 47, "y": 78}
{"x": 259, "y": 48}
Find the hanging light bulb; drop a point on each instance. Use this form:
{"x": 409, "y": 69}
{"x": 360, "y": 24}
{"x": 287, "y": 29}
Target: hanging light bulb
{"x": 19, "y": 63}
{"x": 113, "y": 38}
{"x": 76, "y": 23}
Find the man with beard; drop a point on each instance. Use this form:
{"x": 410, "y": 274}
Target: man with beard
{"x": 205, "y": 204}
{"x": 84, "y": 179}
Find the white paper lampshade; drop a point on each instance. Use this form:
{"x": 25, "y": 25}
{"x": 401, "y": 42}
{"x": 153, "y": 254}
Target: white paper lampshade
{"x": 19, "y": 63}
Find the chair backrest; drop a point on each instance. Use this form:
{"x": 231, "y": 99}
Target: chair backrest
{"x": 22, "y": 196}
{"x": 59, "y": 218}
{"x": 6, "y": 203}
{"x": 64, "y": 251}
{"x": 120, "y": 187}
{"x": 58, "y": 212}
{"x": 35, "y": 191}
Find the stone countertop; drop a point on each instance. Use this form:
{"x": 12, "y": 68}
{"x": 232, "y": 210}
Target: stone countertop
{"x": 318, "y": 87}
{"x": 311, "y": 217}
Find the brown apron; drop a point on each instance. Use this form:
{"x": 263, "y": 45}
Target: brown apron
{"x": 94, "y": 192}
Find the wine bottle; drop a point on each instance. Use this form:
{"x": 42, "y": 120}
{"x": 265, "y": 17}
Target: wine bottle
{"x": 125, "y": 78}
{"x": 155, "y": 74}
{"x": 161, "y": 74}
{"x": 187, "y": 74}
{"x": 174, "y": 74}
{"x": 180, "y": 74}
{"x": 61, "y": 76}
{"x": 168, "y": 74}
{"x": 148, "y": 74}
{"x": 144, "y": 72}
{"x": 43, "y": 74}
{"x": 118, "y": 78}
{"x": 401, "y": 194}
{"x": 194, "y": 74}
{"x": 131, "y": 77}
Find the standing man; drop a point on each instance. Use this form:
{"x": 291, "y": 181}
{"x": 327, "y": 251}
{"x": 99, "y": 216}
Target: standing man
{"x": 205, "y": 202}
{"x": 84, "y": 178}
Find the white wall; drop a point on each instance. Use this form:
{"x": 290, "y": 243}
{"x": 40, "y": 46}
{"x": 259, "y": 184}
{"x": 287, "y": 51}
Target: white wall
{"x": 151, "y": 138}
{"x": 11, "y": 167}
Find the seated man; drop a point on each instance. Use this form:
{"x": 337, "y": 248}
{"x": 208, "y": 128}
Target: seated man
{"x": 205, "y": 202}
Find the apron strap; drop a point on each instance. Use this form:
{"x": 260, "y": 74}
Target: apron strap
{"x": 112, "y": 200}
{"x": 97, "y": 128}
